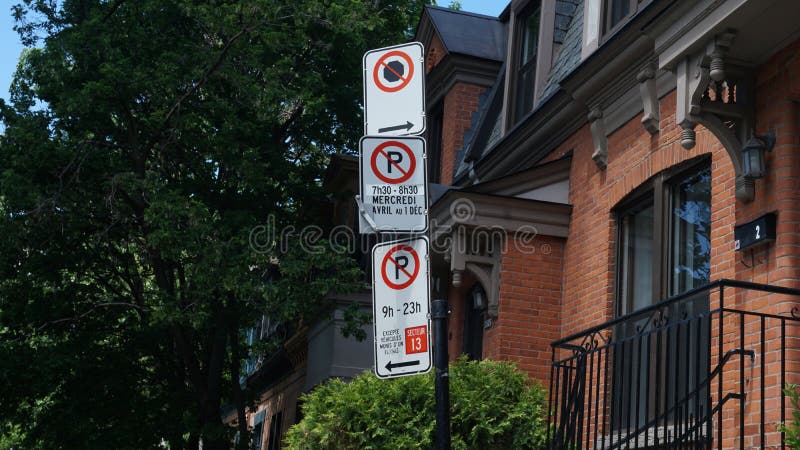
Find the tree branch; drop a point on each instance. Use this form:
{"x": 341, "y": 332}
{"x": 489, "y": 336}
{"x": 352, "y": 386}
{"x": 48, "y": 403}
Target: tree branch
{"x": 214, "y": 67}
{"x": 113, "y": 9}
{"x": 91, "y": 310}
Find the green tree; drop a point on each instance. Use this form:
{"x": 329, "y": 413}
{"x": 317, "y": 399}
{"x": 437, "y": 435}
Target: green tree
{"x": 455, "y": 4}
{"x": 145, "y": 141}
{"x": 493, "y": 406}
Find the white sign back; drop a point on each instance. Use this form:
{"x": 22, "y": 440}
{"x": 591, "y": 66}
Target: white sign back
{"x": 394, "y": 185}
{"x": 401, "y": 307}
{"x": 394, "y": 90}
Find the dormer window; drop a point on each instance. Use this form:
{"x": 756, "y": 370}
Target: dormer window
{"x": 617, "y": 12}
{"x": 528, "y": 38}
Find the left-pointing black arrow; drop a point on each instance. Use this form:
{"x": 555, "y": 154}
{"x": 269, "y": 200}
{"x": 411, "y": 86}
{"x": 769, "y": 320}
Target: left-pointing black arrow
{"x": 390, "y": 366}
{"x": 407, "y": 126}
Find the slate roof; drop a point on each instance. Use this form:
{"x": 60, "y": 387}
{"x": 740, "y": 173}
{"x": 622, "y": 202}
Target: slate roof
{"x": 484, "y": 129}
{"x": 569, "y": 55}
{"x": 565, "y": 11}
{"x": 469, "y": 34}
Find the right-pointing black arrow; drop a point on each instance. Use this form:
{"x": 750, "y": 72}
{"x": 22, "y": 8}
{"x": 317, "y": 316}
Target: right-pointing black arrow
{"x": 407, "y": 126}
{"x": 390, "y": 366}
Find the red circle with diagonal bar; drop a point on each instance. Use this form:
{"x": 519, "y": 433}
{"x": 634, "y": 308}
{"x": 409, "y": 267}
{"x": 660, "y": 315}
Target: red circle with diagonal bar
{"x": 381, "y": 151}
{"x": 382, "y": 64}
{"x": 398, "y": 268}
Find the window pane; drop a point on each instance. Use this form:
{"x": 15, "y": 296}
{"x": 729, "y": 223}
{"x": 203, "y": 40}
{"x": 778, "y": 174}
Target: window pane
{"x": 637, "y": 260}
{"x": 526, "y": 68}
{"x": 257, "y": 435}
{"x": 275, "y": 427}
{"x": 530, "y": 37}
{"x": 525, "y": 93}
{"x": 691, "y": 227}
{"x": 619, "y": 9}
{"x": 258, "y": 430}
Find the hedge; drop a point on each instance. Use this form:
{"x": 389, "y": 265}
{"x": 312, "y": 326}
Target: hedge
{"x": 493, "y": 406}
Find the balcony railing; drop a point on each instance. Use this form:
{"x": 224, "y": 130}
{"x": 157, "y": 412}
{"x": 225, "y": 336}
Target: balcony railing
{"x": 689, "y": 372}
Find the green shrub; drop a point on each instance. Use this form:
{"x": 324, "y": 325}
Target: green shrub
{"x": 792, "y": 429}
{"x": 493, "y": 406}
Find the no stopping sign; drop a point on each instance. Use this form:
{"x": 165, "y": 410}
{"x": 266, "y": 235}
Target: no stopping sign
{"x": 394, "y": 71}
{"x": 394, "y": 91}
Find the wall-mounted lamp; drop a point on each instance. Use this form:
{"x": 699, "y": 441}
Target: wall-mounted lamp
{"x": 477, "y": 299}
{"x": 753, "y": 155}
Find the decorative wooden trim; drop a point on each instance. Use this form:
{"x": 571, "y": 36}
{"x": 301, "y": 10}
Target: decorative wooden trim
{"x": 598, "y": 127}
{"x": 651, "y": 115}
{"x": 711, "y": 102}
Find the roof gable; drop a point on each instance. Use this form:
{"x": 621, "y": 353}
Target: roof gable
{"x": 464, "y": 33}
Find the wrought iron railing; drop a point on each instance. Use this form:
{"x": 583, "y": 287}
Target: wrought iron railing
{"x": 689, "y": 372}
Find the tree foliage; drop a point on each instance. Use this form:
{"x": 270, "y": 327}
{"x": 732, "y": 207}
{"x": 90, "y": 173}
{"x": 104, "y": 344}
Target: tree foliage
{"x": 493, "y": 406}
{"x": 145, "y": 141}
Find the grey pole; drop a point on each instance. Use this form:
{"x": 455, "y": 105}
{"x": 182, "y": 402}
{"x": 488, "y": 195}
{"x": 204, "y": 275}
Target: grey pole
{"x": 439, "y": 313}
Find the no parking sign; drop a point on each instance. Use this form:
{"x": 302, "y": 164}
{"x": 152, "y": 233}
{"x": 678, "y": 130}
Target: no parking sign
{"x": 393, "y": 185}
{"x": 401, "y": 306}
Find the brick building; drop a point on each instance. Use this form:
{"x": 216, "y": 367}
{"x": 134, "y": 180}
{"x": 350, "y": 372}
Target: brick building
{"x": 623, "y": 215}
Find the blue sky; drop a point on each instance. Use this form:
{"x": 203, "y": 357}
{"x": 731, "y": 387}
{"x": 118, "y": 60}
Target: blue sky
{"x": 9, "y": 49}
{"x": 10, "y": 46}
{"x": 488, "y": 7}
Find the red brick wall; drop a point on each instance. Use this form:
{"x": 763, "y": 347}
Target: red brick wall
{"x": 634, "y": 157}
{"x": 529, "y": 306}
{"x": 531, "y": 282}
{"x": 777, "y": 96}
{"x": 459, "y": 104}
{"x": 434, "y": 53}
{"x": 777, "y": 110}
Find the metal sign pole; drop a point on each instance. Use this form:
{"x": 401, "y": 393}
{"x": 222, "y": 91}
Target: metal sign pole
{"x": 439, "y": 313}
{"x": 393, "y": 183}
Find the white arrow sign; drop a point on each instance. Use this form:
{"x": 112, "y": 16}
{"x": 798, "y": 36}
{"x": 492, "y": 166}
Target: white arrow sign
{"x": 401, "y": 308}
{"x": 394, "y": 90}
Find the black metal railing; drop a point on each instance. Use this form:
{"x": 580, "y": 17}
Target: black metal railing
{"x": 689, "y": 372}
